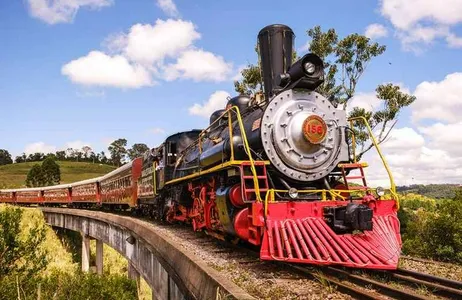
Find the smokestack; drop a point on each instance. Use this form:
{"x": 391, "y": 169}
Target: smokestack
{"x": 275, "y": 44}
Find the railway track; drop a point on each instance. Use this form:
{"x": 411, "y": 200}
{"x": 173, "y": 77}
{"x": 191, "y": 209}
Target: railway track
{"x": 377, "y": 284}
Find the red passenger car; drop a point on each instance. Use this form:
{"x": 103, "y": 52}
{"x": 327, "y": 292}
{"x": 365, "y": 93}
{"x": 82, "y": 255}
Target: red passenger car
{"x": 119, "y": 187}
{"x": 59, "y": 194}
{"x": 86, "y": 191}
{"x": 6, "y": 196}
{"x": 29, "y": 196}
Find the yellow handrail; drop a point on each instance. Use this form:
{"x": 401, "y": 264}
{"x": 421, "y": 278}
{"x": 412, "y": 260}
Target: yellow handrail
{"x": 366, "y": 123}
{"x": 247, "y": 150}
{"x": 228, "y": 112}
{"x": 334, "y": 194}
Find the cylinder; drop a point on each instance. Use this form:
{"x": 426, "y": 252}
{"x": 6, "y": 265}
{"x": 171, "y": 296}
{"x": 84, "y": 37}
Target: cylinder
{"x": 275, "y": 45}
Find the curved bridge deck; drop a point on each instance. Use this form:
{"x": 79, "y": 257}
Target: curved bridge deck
{"x": 171, "y": 272}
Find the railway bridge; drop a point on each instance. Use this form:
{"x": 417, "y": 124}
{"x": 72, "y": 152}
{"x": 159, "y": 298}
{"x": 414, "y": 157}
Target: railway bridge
{"x": 171, "y": 272}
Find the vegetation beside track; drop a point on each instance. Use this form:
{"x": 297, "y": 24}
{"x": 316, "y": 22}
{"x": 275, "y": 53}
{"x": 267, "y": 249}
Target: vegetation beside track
{"x": 52, "y": 268}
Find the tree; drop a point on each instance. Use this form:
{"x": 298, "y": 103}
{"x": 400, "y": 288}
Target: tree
{"x": 51, "y": 172}
{"x": 345, "y": 61}
{"x": 21, "y": 158}
{"x": 60, "y": 155}
{"x": 5, "y": 157}
{"x": 118, "y": 151}
{"x": 137, "y": 150}
{"x": 37, "y": 156}
{"x": 20, "y": 253}
{"x": 102, "y": 157}
{"x": 35, "y": 176}
{"x": 87, "y": 150}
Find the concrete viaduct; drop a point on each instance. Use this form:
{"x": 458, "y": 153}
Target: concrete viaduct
{"x": 170, "y": 272}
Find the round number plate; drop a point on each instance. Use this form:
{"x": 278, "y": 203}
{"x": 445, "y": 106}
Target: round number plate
{"x": 314, "y": 129}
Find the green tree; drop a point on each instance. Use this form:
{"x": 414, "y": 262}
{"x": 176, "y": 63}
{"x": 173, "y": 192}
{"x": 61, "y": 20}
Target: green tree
{"x": 51, "y": 172}
{"x": 102, "y": 157}
{"x": 5, "y": 157}
{"x": 87, "y": 150}
{"x": 61, "y": 155}
{"x": 118, "y": 151}
{"x": 35, "y": 176}
{"x": 20, "y": 253}
{"x": 345, "y": 61}
{"x": 137, "y": 150}
{"x": 21, "y": 158}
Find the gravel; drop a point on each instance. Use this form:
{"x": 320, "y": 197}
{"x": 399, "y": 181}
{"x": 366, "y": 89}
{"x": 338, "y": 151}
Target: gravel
{"x": 261, "y": 279}
{"x": 435, "y": 268}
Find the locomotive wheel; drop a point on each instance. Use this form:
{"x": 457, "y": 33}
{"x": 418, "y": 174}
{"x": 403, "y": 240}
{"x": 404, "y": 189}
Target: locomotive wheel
{"x": 197, "y": 214}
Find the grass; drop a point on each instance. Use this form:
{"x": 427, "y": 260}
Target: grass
{"x": 14, "y": 175}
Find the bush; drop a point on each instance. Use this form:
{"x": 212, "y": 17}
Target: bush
{"x": 435, "y": 234}
{"x": 61, "y": 285}
{"x": 31, "y": 262}
{"x": 20, "y": 252}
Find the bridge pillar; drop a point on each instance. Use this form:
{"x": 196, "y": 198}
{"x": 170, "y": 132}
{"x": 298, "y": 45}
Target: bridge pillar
{"x": 134, "y": 275}
{"x": 99, "y": 257}
{"x": 85, "y": 253}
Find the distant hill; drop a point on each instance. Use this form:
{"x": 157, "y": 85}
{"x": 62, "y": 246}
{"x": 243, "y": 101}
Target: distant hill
{"x": 14, "y": 175}
{"x": 437, "y": 191}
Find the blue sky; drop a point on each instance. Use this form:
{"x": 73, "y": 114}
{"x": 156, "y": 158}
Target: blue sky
{"x": 90, "y": 71}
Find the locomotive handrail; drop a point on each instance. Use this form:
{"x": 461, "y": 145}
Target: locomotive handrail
{"x": 247, "y": 149}
{"x": 232, "y": 161}
{"x": 334, "y": 194}
{"x": 382, "y": 157}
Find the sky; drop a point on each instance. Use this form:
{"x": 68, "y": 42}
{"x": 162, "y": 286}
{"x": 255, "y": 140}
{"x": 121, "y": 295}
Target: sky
{"x": 86, "y": 72}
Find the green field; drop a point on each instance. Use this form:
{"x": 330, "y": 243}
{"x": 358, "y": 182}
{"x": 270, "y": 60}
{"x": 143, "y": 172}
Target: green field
{"x": 14, "y": 175}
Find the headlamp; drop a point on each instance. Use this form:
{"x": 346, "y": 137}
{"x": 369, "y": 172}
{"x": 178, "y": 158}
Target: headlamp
{"x": 380, "y": 191}
{"x": 293, "y": 193}
{"x": 310, "y": 68}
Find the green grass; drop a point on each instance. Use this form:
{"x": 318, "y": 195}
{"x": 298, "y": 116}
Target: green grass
{"x": 14, "y": 175}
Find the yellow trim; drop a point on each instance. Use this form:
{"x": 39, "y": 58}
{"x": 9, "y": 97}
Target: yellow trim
{"x": 228, "y": 111}
{"x": 230, "y": 126}
{"x": 214, "y": 169}
{"x": 363, "y": 164}
{"x": 154, "y": 165}
{"x": 335, "y": 195}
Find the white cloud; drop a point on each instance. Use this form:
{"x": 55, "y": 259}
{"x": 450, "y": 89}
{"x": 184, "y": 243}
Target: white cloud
{"x": 413, "y": 159}
{"x": 62, "y": 11}
{"x": 216, "y": 101}
{"x": 168, "y": 7}
{"x": 238, "y": 75}
{"x": 149, "y": 44}
{"x": 157, "y": 130}
{"x": 39, "y": 147}
{"x": 454, "y": 41}
{"x": 164, "y": 50}
{"x": 404, "y": 138}
{"x": 98, "y": 68}
{"x": 439, "y": 100}
{"x": 422, "y": 21}
{"x": 446, "y": 136}
{"x": 404, "y": 14}
{"x": 368, "y": 101}
{"x": 199, "y": 65}
{"x": 375, "y": 31}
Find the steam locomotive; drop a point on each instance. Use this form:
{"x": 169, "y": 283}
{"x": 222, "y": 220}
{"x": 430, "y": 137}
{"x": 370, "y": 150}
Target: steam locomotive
{"x": 272, "y": 170}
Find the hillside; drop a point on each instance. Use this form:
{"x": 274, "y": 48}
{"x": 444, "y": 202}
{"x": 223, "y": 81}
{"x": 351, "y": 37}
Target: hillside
{"x": 437, "y": 191}
{"x": 14, "y": 175}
